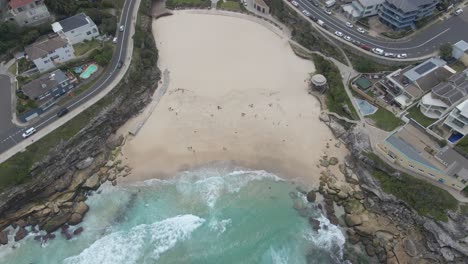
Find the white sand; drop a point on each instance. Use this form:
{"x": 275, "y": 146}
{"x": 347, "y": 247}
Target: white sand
{"x": 267, "y": 119}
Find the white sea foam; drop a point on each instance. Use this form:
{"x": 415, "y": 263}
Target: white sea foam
{"x": 130, "y": 246}
{"x": 219, "y": 226}
{"x": 280, "y": 256}
{"x": 327, "y": 238}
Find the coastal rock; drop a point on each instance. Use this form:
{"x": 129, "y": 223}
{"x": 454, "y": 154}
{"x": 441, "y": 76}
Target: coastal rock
{"x": 21, "y": 223}
{"x": 55, "y": 208}
{"x": 78, "y": 231}
{"x": 299, "y": 204}
{"x": 111, "y": 177}
{"x": 81, "y": 208}
{"x": 311, "y": 196}
{"x": 324, "y": 163}
{"x": 3, "y": 238}
{"x": 333, "y": 161}
{"x": 103, "y": 170}
{"x": 314, "y": 223}
{"x": 324, "y": 117}
{"x": 364, "y": 230}
{"x": 75, "y": 219}
{"x": 20, "y": 234}
{"x": 110, "y": 164}
{"x": 410, "y": 247}
{"x": 358, "y": 195}
{"x": 353, "y": 220}
{"x": 92, "y": 182}
{"x": 370, "y": 250}
{"x": 342, "y": 195}
{"x": 56, "y": 222}
{"x": 84, "y": 163}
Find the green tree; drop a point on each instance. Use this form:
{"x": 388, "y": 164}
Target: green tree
{"x": 445, "y": 51}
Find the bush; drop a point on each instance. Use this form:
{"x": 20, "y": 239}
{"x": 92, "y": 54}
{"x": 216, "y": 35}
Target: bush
{"x": 445, "y": 51}
{"x": 102, "y": 57}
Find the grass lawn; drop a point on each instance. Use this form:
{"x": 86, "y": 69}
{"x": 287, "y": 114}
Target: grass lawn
{"x": 13, "y": 68}
{"x": 458, "y": 66}
{"x": 416, "y": 114}
{"x": 229, "y": 5}
{"x": 385, "y": 119}
{"x": 425, "y": 198}
{"x": 82, "y": 48}
{"x": 187, "y": 3}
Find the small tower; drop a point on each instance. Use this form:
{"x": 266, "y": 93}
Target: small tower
{"x": 319, "y": 83}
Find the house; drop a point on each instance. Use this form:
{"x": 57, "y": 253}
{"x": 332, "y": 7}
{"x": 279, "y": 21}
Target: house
{"x": 402, "y": 14}
{"x": 413, "y": 149}
{"x": 407, "y": 85}
{"x": 457, "y": 120}
{"x": 28, "y": 12}
{"x": 460, "y": 51}
{"x": 361, "y": 8}
{"x": 445, "y": 95}
{"x": 49, "y": 52}
{"x": 49, "y": 87}
{"x": 76, "y": 29}
{"x": 261, "y": 6}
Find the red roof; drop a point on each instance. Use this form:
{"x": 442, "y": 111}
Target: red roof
{"x": 19, "y": 3}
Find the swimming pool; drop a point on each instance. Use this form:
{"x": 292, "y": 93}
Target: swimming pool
{"x": 365, "y": 107}
{"x": 89, "y": 70}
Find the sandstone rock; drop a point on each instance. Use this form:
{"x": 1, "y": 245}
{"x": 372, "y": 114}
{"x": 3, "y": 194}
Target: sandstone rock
{"x": 55, "y": 208}
{"x": 364, "y": 230}
{"x": 370, "y": 250}
{"x": 324, "y": 163}
{"x": 84, "y": 163}
{"x": 21, "y": 223}
{"x": 3, "y": 238}
{"x": 67, "y": 204}
{"x": 333, "y": 161}
{"x": 114, "y": 183}
{"x": 447, "y": 253}
{"x": 56, "y": 222}
{"x": 353, "y": 220}
{"x": 78, "y": 231}
{"x": 111, "y": 177}
{"x": 92, "y": 182}
{"x": 81, "y": 208}
{"x": 324, "y": 117}
{"x": 311, "y": 196}
{"x": 20, "y": 234}
{"x": 128, "y": 169}
{"x": 104, "y": 170}
{"x": 358, "y": 195}
{"x": 43, "y": 213}
{"x": 75, "y": 219}
{"x": 342, "y": 195}
{"x": 330, "y": 191}
{"x": 410, "y": 247}
{"x": 110, "y": 163}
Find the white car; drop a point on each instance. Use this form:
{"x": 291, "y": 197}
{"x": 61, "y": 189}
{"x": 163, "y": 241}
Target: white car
{"x": 347, "y": 38}
{"x": 361, "y": 30}
{"x": 305, "y": 13}
{"x": 390, "y": 55}
{"x": 378, "y": 51}
{"x": 29, "y": 132}
{"x": 458, "y": 12}
{"x": 349, "y": 25}
{"x": 294, "y": 3}
{"x": 121, "y": 28}
{"x": 114, "y": 40}
{"x": 402, "y": 56}
{"x": 339, "y": 34}
{"x": 328, "y": 11}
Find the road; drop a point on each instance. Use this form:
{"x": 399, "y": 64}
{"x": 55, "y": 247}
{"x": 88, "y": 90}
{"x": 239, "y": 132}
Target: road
{"x": 420, "y": 44}
{"x": 10, "y": 134}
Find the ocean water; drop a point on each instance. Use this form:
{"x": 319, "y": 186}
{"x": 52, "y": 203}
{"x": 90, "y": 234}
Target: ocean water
{"x": 203, "y": 216}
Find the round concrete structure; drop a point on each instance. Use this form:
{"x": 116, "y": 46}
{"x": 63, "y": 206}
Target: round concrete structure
{"x": 319, "y": 80}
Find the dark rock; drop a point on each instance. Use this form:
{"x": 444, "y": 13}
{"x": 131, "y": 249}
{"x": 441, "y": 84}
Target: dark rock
{"x": 64, "y": 228}
{"x": 56, "y": 222}
{"x": 354, "y": 239}
{"x": 75, "y": 219}
{"x": 81, "y": 208}
{"x": 370, "y": 250}
{"x": 314, "y": 223}
{"x": 21, "y": 223}
{"x": 84, "y": 163}
{"x": 67, "y": 235}
{"x": 78, "y": 231}
{"x": 311, "y": 196}
{"x": 410, "y": 247}
{"x": 38, "y": 238}
{"x": 353, "y": 220}
{"x": 20, "y": 234}
{"x": 3, "y": 238}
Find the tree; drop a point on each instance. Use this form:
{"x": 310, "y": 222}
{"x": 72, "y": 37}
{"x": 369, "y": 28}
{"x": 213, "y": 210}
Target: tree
{"x": 445, "y": 51}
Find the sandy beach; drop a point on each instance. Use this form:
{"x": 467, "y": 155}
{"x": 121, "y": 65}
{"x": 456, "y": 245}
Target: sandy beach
{"x": 237, "y": 94}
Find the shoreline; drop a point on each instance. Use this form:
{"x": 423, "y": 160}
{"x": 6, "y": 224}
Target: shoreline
{"x": 263, "y": 120}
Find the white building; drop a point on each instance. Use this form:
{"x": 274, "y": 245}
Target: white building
{"x": 48, "y": 53}
{"x": 28, "y": 12}
{"x": 76, "y": 29}
{"x": 460, "y": 51}
{"x": 362, "y": 8}
{"x": 457, "y": 120}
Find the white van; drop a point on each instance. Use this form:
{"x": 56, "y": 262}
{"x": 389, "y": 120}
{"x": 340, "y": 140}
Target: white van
{"x": 378, "y": 51}
{"x": 29, "y": 132}
{"x": 320, "y": 22}
{"x": 330, "y": 3}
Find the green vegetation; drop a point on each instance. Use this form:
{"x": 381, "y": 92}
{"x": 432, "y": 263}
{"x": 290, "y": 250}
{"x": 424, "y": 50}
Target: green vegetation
{"x": 364, "y": 64}
{"x": 24, "y": 103}
{"x": 397, "y": 34}
{"x": 458, "y": 66}
{"x": 24, "y": 65}
{"x": 385, "y": 119}
{"x": 462, "y": 147}
{"x": 173, "y": 4}
{"x": 102, "y": 55}
{"x": 12, "y": 69}
{"x": 302, "y": 32}
{"x": 14, "y": 38}
{"x": 425, "y": 198}
{"x": 229, "y": 5}
{"x": 65, "y": 8}
{"x": 445, "y": 51}
{"x": 415, "y": 113}
{"x": 336, "y": 94}
{"x": 82, "y": 48}
{"x": 16, "y": 169}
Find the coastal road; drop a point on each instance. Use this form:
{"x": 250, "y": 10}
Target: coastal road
{"x": 422, "y": 43}
{"x": 10, "y": 135}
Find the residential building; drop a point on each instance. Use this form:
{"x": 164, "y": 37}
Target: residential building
{"x": 445, "y": 95}
{"x": 407, "y": 85}
{"x": 402, "y": 14}
{"x": 49, "y": 87}
{"x": 361, "y": 8}
{"x": 28, "y": 12}
{"x": 413, "y": 149}
{"x": 457, "y": 120}
{"x": 460, "y": 51}
{"x": 261, "y": 6}
{"x": 49, "y": 52}
{"x": 76, "y": 29}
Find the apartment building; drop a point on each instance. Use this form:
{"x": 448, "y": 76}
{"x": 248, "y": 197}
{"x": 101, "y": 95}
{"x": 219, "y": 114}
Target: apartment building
{"x": 402, "y": 14}
{"x": 48, "y": 87}
{"x": 28, "y": 12}
{"x": 76, "y": 29}
{"x": 362, "y": 8}
{"x": 50, "y": 52}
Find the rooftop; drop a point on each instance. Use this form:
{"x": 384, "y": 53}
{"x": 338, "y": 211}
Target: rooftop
{"x": 424, "y": 68}
{"x": 371, "y": 2}
{"x": 453, "y": 90}
{"x": 456, "y": 163}
{"x": 463, "y": 108}
{"x": 72, "y": 23}
{"x": 19, "y": 3}
{"x": 462, "y": 45}
{"x": 409, "y": 5}
{"x": 39, "y": 86}
{"x": 43, "y": 47}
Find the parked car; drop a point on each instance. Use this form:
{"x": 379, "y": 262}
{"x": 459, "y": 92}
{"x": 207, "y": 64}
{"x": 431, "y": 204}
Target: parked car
{"x": 294, "y": 3}
{"x": 389, "y": 54}
{"x": 339, "y": 34}
{"x": 62, "y": 112}
{"x": 348, "y": 24}
{"x": 114, "y": 40}
{"x": 355, "y": 42}
{"x": 313, "y": 18}
{"x": 328, "y": 11}
{"x": 121, "y": 28}
{"x": 365, "y": 47}
{"x": 347, "y": 38}
{"x": 402, "y": 55}
{"x": 458, "y": 12}
{"x": 315, "y": 3}
{"x": 305, "y": 13}
{"x": 361, "y": 30}
{"x": 119, "y": 65}
{"x": 29, "y": 132}
{"x": 378, "y": 51}
{"x": 321, "y": 23}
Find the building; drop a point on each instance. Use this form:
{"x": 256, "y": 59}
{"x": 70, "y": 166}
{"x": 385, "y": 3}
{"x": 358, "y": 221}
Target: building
{"x": 457, "y": 120}
{"x": 445, "y": 95}
{"x": 402, "y": 14}
{"x": 411, "y": 148}
{"x": 362, "y": 8}
{"x": 261, "y": 6}
{"x": 76, "y": 29}
{"x": 49, "y": 52}
{"x": 28, "y": 12}
{"x": 319, "y": 83}
{"x": 405, "y": 86}
{"x": 49, "y": 87}
{"x": 460, "y": 52}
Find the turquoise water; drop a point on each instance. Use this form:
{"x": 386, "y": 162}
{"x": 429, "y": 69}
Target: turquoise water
{"x": 365, "y": 107}
{"x": 205, "y": 216}
{"x": 89, "y": 70}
